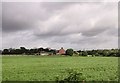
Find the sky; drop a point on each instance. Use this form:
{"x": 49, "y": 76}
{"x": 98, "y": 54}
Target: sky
{"x": 77, "y": 25}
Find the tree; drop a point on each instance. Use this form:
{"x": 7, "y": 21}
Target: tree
{"x": 69, "y": 52}
{"x": 5, "y": 51}
{"x": 84, "y": 53}
{"x": 11, "y": 51}
{"x": 53, "y": 51}
{"x": 17, "y": 51}
{"x": 97, "y": 54}
{"x": 118, "y": 53}
{"x": 23, "y": 49}
{"x": 105, "y": 53}
{"x": 40, "y": 49}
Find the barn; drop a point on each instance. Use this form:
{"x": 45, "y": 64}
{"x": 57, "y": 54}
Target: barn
{"x": 61, "y": 51}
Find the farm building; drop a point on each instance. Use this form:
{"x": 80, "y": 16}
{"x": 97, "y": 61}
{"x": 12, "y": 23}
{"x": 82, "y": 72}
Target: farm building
{"x": 43, "y": 53}
{"x": 61, "y": 51}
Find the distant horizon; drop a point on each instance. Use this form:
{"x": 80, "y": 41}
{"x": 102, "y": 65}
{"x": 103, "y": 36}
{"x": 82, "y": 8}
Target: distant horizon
{"x": 63, "y": 48}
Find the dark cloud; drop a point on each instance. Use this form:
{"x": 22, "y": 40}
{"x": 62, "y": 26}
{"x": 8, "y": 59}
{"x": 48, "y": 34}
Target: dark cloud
{"x": 19, "y": 16}
{"x": 14, "y": 17}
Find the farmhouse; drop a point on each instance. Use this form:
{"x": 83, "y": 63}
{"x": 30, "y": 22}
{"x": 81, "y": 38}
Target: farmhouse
{"x": 61, "y": 51}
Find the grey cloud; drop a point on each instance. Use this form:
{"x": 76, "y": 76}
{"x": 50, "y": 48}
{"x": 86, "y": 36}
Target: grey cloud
{"x": 77, "y": 25}
{"x": 14, "y": 17}
{"x": 0, "y": 15}
{"x": 75, "y": 21}
{"x": 112, "y": 32}
{"x": 20, "y": 16}
{"x": 55, "y": 6}
{"x": 79, "y": 40}
{"x": 94, "y": 32}
{"x": 51, "y": 31}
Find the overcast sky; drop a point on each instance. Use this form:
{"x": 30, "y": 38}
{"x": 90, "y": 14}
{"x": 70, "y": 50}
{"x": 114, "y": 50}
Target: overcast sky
{"x": 85, "y": 25}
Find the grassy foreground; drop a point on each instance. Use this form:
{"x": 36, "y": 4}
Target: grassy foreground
{"x": 46, "y": 68}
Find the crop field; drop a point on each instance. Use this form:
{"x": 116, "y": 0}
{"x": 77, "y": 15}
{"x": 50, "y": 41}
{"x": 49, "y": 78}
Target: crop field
{"x": 47, "y": 68}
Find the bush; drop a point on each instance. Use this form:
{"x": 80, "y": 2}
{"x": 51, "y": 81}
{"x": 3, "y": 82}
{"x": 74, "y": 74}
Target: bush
{"x": 84, "y": 53}
{"x": 72, "y": 77}
{"x": 69, "y": 52}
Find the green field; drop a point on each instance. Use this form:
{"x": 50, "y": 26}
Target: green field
{"x": 46, "y": 68}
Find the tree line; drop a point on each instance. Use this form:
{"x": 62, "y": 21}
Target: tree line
{"x": 69, "y": 52}
{"x": 23, "y": 50}
{"x": 103, "y": 52}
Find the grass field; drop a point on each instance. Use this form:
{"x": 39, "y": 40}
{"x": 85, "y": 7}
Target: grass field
{"x": 46, "y": 68}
